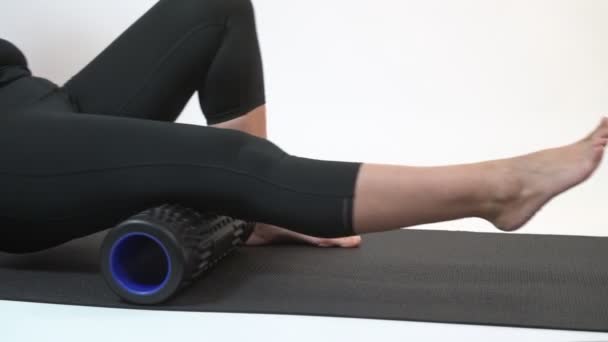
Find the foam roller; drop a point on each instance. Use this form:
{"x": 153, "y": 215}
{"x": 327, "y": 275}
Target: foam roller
{"x": 154, "y": 254}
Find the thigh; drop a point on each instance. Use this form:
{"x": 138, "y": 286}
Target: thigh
{"x": 64, "y": 175}
{"x": 153, "y": 68}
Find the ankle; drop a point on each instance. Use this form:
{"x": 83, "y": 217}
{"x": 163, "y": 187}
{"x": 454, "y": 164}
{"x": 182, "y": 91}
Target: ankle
{"x": 504, "y": 186}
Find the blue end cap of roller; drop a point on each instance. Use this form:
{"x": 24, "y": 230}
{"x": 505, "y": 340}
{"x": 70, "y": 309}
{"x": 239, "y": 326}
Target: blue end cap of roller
{"x": 140, "y": 263}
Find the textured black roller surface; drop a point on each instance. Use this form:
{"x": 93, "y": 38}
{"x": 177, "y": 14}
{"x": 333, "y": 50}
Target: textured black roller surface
{"x": 195, "y": 242}
{"x": 439, "y": 276}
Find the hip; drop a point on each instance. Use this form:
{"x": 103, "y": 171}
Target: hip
{"x": 31, "y": 92}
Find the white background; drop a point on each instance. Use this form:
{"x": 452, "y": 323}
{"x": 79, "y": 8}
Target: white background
{"x": 417, "y": 82}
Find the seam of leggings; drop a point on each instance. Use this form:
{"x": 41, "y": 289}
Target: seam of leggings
{"x": 172, "y": 164}
{"x": 72, "y": 99}
{"x": 344, "y": 210}
{"x": 25, "y": 106}
{"x": 349, "y": 205}
{"x": 163, "y": 59}
{"x": 346, "y": 214}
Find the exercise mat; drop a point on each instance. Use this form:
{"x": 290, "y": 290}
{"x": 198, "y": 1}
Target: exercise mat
{"x": 543, "y": 281}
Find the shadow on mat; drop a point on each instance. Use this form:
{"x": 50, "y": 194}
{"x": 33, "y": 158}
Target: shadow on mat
{"x": 77, "y": 256}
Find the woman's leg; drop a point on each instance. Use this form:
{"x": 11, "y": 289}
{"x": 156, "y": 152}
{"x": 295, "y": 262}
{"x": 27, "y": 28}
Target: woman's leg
{"x": 212, "y": 48}
{"x": 506, "y": 192}
{"x": 67, "y": 175}
{"x": 255, "y": 123}
{"x": 173, "y": 50}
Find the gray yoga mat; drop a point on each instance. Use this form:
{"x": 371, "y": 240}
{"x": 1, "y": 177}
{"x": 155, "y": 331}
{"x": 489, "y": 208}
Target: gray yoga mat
{"x": 511, "y": 279}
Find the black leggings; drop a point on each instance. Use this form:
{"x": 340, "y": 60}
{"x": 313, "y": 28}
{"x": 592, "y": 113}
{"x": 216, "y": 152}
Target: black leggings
{"x": 80, "y": 158}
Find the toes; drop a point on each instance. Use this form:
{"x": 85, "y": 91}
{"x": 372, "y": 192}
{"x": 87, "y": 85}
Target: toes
{"x": 604, "y": 127}
{"x": 598, "y": 140}
{"x": 601, "y": 131}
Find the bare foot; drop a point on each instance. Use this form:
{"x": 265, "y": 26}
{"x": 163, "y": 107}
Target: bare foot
{"x": 537, "y": 177}
{"x": 264, "y": 234}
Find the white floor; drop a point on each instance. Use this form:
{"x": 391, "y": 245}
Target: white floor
{"x": 22, "y": 321}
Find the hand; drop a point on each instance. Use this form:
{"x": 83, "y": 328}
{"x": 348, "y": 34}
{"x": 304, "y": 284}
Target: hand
{"x": 265, "y": 234}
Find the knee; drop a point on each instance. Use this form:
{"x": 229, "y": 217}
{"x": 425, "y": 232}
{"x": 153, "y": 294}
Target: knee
{"x": 194, "y": 12}
{"x": 257, "y": 155}
{"x": 230, "y": 7}
{"x": 222, "y": 8}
